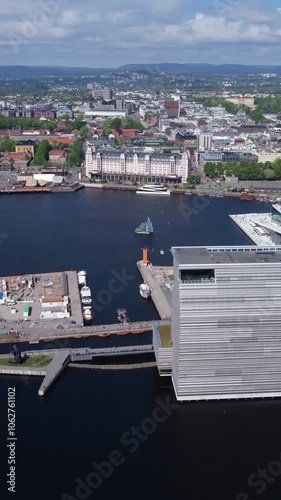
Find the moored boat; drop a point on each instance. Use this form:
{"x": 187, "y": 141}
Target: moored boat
{"x": 82, "y": 278}
{"x": 145, "y": 290}
{"x": 87, "y": 314}
{"x": 153, "y": 189}
{"x": 85, "y": 294}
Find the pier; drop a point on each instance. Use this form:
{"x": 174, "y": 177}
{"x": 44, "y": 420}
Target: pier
{"x": 160, "y": 285}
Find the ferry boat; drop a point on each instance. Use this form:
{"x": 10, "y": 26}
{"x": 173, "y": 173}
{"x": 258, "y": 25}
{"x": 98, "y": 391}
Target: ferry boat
{"x": 82, "y": 278}
{"x": 85, "y": 294}
{"x": 145, "y": 227}
{"x": 153, "y": 189}
{"x": 145, "y": 291}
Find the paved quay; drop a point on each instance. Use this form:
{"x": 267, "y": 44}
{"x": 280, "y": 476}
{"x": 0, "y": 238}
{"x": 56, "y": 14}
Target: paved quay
{"x": 160, "y": 285}
{"x": 259, "y": 228}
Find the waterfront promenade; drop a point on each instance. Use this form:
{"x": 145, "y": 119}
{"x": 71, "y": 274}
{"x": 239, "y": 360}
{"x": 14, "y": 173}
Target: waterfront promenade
{"x": 46, "y": 333}
{"x": 259, "y": 228}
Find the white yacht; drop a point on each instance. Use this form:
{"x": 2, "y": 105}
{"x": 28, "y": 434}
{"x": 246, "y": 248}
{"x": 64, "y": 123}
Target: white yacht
{"x": 145, "y": 290}
{"x": 153, "y": 189}
{"x": 86, "y": 297}
{"x": 87, "y": 313}
{"x": 82, "y": 278}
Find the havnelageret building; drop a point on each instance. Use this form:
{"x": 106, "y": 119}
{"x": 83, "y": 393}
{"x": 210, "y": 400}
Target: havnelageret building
{"x": 226, "y": 322}
{"x": 156, "y": 167}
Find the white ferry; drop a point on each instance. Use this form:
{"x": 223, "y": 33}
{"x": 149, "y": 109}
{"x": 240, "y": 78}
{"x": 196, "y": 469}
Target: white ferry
{"x": 153, "y": 189}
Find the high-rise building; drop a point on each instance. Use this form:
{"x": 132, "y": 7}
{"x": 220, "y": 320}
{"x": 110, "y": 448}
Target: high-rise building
{"x": 226, "y": 317}
{"x": 105, "y": 93}
{"x": 172, "y": 108}
{"x": 205, "y": 141}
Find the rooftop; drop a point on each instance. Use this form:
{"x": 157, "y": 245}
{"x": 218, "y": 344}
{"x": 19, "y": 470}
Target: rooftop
{"x": 186, "y": 256}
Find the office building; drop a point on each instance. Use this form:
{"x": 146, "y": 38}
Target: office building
{"x": 172, "y": 108}
{"x": 226, "y": 316}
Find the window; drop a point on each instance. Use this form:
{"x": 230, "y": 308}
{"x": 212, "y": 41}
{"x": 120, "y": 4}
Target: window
{"x": 197, "y": 276}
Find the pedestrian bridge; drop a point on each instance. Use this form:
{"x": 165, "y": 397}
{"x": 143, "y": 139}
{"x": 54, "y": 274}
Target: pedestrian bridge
{"x": 62, "y": 357}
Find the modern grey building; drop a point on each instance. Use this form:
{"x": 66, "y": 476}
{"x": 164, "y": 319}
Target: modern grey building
{"x": 226, "y": 322}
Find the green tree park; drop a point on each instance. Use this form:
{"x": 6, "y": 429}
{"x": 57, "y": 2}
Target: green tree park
{"x": 244, "y": 170}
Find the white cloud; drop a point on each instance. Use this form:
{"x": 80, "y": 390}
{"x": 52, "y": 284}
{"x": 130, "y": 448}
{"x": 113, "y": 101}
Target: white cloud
{"x": 159, "y": 27}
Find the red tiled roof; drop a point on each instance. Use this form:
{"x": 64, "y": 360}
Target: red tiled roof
{"x": 63, "y": 140}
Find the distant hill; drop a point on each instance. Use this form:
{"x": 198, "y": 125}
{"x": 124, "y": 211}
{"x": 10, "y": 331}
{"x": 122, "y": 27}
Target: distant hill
{"x": 190, "y": 68}
{"x": 35, "y": 71}
{"x": 223, "y": 69}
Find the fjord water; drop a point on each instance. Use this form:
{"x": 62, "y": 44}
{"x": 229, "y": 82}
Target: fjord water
{"x": 206, "y": 450}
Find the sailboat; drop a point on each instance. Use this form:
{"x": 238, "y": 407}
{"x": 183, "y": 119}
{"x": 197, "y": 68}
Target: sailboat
{"x": 145, "y": 227}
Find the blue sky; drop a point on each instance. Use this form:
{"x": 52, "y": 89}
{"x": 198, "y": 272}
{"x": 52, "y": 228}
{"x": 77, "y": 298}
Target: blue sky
{"x": 109, "y": 33}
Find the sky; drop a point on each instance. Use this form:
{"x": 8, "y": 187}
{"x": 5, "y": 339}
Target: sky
{"x": 110, "y": 33}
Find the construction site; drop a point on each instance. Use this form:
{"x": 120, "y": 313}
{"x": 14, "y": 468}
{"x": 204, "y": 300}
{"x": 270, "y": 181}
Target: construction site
{"x": 28, "y": 301}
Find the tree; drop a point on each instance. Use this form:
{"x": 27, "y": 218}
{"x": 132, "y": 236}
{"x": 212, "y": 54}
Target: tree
{"x": 76, "y": 154}
{"x": 42, "y": 153}
{"x": 84, "y": 132}
{"x": 213, "y": 170}
{"x": 116, "y": 123}
{"x": 269, "y": 173}
{"x": 106, "y": 131}
{"x": 6, "y": 144}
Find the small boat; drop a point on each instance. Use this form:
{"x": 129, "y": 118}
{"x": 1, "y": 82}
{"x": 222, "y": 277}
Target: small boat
{"x": 103, "y": 335}
{"x": 162, "y": 251}
{"x": 122, "y": 315}
{"x": 87, "y": 313}
{"x": 85, "y": 294}
{"x": 145, "y": 291}
{"x": 82, "y": 278}
{"x": 145, "y": 227}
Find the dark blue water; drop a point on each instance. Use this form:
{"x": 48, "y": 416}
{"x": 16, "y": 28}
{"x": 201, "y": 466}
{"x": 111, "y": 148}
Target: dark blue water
{"x": 206, "y": 450}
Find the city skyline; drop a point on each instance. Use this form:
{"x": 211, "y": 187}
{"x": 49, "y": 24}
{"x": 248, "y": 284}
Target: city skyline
{"x": 58, "y": 32}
